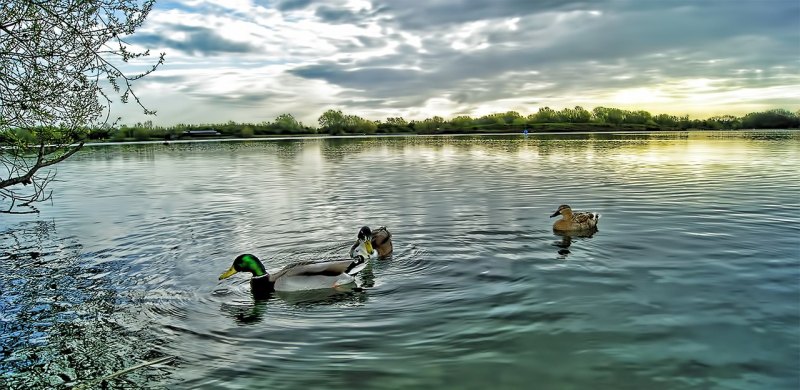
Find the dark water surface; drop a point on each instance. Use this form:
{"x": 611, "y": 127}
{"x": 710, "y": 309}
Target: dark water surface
{"x": 691, "y": 282}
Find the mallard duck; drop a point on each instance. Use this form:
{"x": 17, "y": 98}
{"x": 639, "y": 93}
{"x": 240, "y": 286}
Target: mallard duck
{"x": 306, "y": 275}
{"x": 574, "y": 221}
{"x": 372, "y": 244}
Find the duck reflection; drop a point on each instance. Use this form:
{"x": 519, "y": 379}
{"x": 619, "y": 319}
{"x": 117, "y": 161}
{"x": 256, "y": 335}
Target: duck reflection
{"x": 565, "y": 242}
{"x": 246, "y": 314}
{"x": 253, "y": 312}
{"x": 345, "y": 294}
{"x": 367, "y": 276}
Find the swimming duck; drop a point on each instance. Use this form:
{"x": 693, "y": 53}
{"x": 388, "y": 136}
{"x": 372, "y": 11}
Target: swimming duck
{"x": 372, "y": 244}
{"x": 574, "y": 221}
{"x": 306, "y": 275}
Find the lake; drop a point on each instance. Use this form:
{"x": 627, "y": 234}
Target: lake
{"x": 692, "y": 280}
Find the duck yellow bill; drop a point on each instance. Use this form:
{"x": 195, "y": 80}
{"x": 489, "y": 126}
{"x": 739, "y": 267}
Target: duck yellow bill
{"x": 228, "y": 273}
{"x": 368, "y": 246}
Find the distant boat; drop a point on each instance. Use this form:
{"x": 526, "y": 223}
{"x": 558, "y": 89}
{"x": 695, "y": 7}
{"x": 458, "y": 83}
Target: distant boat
{"x": 193, "y": 133}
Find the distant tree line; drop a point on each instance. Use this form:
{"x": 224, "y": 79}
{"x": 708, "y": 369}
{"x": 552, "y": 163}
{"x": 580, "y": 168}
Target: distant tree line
{"x": 284, "y": 124}
{"x": 335, "y": 122}
{"x": 578, "y": 118}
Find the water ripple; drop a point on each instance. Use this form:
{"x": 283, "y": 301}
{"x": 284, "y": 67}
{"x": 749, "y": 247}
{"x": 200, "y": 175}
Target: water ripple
{"x": 694, "y": 253}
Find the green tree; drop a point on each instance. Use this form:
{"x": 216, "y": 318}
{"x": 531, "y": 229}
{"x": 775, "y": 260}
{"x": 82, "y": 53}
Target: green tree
{"x": 366, "y": 126}
{"x": 545, "y": 115}
{"x": 637, "y": 117}
{"x": 725, "y": 122}
{"x": 510, "y": 116}
{"x": 519, "y": 121}
{"x": 581, "y": 115}
{"x": 430, "y": 125}
{"x": 332, "y": 121}
{"x": 396, "y": 121}
{"x": 141, "y": 134}
{"x": 565, "y": 115}
{"x": 393, "y": 125}
{"x": 53, "y": 57}
{"x": 491, "y": 120}
{"x": 461, "y": 122}
{"x": 351, "y": 123}
{"x": 287, "y": 124}
{"x": 771, "y": 119}
{"x": 608, "y": 115}
{"x": 246, "y": 132}
{"x": 666, "y": 120}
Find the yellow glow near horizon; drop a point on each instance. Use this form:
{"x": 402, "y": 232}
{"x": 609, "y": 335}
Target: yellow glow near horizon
{"x": 697, "y": 85}
{"x": 639, "y": 95}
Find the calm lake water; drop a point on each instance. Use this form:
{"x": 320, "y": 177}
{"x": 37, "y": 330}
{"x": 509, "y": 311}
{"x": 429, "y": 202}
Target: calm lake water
{"x": 691, "y": 282}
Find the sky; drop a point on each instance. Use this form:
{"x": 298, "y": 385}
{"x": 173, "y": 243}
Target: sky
{"x": 252, "y": 60}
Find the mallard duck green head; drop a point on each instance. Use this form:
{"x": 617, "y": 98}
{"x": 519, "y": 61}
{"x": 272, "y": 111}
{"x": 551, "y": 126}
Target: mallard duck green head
{"x": 365, "y": 237}
{"x": 245, "y": 263}
{"x": 561, "y": 209}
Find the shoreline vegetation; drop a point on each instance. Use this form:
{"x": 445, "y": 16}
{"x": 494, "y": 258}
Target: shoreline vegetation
{"x": 546, "y": 120}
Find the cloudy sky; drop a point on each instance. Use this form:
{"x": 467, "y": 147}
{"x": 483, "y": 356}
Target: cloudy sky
{"x": 252, "y": 60}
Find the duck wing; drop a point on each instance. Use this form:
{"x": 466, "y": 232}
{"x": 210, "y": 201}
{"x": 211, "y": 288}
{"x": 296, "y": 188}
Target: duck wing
{"x": 380, "y": 236}
{"x": 583, "y": 217}
{"x": 585, "y": 220}
{"x": 309, "y": 268}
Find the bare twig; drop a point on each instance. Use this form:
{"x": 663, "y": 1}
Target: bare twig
{"x": 95, "y": 382}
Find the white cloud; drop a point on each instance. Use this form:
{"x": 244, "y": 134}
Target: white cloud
{"x": 246, "y": 61}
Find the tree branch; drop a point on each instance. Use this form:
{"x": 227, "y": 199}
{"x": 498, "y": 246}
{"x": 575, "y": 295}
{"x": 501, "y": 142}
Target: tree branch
{"x": 40, "y": 163}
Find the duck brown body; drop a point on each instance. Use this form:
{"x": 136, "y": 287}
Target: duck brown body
{"x": 382, "y": 242}
{"x": 574, "y": 221}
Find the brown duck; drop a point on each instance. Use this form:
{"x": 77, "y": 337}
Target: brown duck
{"x": 372, "y": 244}
{"x": 574, "y": 221}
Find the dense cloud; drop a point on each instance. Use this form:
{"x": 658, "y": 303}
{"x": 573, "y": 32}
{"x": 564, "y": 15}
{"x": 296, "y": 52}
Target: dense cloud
{"x": 442, "y": 14}
{"x": 389, "y": 58}
{"x": 288, "y": 5}
{"x": 199, "y": 41}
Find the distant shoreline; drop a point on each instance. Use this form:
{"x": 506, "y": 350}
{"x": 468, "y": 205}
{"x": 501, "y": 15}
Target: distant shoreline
{"x": 288, "y": 137}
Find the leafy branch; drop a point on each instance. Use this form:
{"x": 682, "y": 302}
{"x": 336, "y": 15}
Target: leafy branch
{"x": 55, "y": 71}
